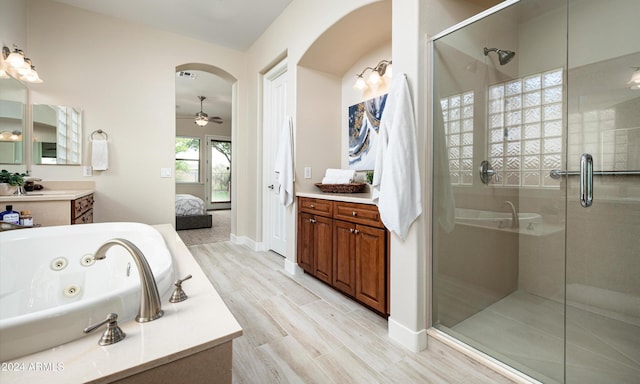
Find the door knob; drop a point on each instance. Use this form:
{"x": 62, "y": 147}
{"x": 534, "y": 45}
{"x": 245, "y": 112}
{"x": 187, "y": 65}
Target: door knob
{"x": 271, "y": 187}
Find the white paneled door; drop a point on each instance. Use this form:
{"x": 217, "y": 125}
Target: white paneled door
{"x": 274, "y": 112}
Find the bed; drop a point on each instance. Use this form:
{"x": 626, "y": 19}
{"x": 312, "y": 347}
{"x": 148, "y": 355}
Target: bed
{"x": 191, "y": 213}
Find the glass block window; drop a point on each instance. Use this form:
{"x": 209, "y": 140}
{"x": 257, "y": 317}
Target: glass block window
{"x": 595, "y": 132}
{"x": 457, "y": 112}
{"x": 525, "y": 129}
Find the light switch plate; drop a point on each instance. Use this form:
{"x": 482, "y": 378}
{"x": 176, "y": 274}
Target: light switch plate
{"x": 165, "y": 172}
{"x": 87, "y": 171}
{"x": 307, "y": 172}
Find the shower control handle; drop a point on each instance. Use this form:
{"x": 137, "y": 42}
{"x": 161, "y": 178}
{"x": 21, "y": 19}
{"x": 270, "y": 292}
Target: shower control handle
{"x": 487, "y": 173}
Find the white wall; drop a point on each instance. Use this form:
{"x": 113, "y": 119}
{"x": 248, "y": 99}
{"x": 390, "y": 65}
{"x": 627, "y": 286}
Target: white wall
{"x": 123, "y": 76}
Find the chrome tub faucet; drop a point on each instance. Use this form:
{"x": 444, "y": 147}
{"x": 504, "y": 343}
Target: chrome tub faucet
{"x": 515, "y": 220}
{"x": 150, "y": 306}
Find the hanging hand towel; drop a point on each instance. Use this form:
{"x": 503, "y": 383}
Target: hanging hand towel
{"x": 284, "y": 162}
{"x": 396, "y": 184}
{"x": 99, "y": 155}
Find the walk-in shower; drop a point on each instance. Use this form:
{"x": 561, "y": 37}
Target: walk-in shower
{"x": 522, "y": 269}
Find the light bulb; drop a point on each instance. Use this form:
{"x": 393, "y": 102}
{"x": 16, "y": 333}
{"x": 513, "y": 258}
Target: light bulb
{"x": 16, "y": 59}
{"x": 360, "y": 83}
{"x": 374, "y": 78}
{"x": 389, "y": 71}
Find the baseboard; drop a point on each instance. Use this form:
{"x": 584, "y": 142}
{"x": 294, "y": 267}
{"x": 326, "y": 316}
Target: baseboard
{"x": 244, "y": 241}
{"x": 262, "y": 247}
{"x": 412, "y": 340}
{"x": 292, "y": 268}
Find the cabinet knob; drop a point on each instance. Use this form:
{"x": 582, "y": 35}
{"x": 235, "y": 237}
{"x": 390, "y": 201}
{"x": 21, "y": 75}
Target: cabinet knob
{"x": 312, "y": 206}
{"x": 351, "y": 230}
{"x": 354, "y": 214}
{"x": 356, "y": 231}
{"x": 312, "y": 221}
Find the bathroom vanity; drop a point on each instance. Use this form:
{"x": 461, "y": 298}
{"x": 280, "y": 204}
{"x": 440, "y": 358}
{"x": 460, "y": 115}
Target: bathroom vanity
{"x": 342, "y": 242}
{"x": 59, "y": 203}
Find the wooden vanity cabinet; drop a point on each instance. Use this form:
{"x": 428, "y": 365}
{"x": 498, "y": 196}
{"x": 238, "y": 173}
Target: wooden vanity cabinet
{"x": 315, "y": 245}
{"x": 345, "y": 245}
{"x": 370, "y": 256}
{"x": 82, "y": 210}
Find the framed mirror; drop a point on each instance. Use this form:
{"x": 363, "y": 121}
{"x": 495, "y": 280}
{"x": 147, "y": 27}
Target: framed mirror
{"x": 57, "y": 134}
{"x": 13, "y": 99}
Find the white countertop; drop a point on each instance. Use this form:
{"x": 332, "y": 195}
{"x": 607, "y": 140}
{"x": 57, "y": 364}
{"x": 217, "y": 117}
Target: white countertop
{"x": 362, "y": 198}
{"x": 47, "y": 195}
{"x": 201, "y": 322}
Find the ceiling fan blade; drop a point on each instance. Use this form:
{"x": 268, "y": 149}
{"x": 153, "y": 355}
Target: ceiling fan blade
{"x": 216, "y": 119}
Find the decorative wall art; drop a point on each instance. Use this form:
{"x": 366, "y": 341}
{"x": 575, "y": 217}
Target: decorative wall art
{"x": 364, "y": 121}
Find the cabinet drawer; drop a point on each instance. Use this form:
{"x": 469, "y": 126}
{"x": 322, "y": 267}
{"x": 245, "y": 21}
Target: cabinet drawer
{"x": 86, "y": 218}
{"x": 81, "y": 205}
{"x": 357, "y": 213}
{"x": 316, "y": 206}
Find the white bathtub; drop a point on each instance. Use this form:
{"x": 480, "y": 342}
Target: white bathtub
{"x": 500, "y": 220}
{"x": 47, "y": 296}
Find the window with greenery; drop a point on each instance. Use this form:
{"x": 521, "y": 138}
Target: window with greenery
{"x": 457, "y": 113}
{"x": 525, "y": 129}
{"x": 187, "y": 160}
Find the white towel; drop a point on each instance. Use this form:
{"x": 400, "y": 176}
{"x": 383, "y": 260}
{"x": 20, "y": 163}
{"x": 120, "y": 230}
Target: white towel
{"x": 339, "y": 176}
{"x": 284, "y": 162}
{"x": 99, "y": 155}
{"x": 396, "y": 182}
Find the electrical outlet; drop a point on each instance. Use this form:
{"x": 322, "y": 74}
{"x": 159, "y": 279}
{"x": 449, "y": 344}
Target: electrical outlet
{"x": 87, "y": 171}
{"x": 165, "y": 172}
{"x": 307, "y": 172}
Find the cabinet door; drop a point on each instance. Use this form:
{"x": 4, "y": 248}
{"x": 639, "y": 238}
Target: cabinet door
{"x": 305, "y": 242}
{"x": 344, "y": 261}
{"x": 323, "y": 248}
{"x": 370, "y": 267}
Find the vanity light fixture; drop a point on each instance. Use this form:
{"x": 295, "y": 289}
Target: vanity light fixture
{"x": 14, "y": 63}
{"x": 634, "y": 83}
{"x": 10, "y": 136}
{"x": 202, "y": 118}
{"x": 383, "y": 68}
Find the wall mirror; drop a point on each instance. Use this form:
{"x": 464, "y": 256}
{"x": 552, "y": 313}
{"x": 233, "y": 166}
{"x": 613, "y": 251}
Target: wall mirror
{"x": 13, "y": 99}
{"x": 57, "y": 134}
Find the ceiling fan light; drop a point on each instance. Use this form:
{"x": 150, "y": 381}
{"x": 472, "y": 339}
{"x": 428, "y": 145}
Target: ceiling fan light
{"x": 16, "y": 58}
{"x": 202, "y": 119}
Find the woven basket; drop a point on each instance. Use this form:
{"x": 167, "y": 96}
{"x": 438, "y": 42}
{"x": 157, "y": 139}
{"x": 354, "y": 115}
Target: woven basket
{"x": 341, "y": 188}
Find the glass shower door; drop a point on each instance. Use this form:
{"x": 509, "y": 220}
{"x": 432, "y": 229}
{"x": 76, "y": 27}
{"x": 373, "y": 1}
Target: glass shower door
{"x": 499, "y": 217}
{"x": 603, "y": 240}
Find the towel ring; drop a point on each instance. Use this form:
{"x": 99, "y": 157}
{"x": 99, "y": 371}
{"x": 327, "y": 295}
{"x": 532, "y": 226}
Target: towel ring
{"x": 99, "y": 132}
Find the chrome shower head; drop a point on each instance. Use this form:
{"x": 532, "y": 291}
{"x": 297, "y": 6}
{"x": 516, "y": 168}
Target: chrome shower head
{"x": 504, "y": 56}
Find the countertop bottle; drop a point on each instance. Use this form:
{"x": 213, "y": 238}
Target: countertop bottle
{"x": 26, "y": 219}
{"x": 10, "y": 216}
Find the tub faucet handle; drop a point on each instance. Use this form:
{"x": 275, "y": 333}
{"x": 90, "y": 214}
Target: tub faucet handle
{"x": 178, "y": 294}
{"x": 112, "y": 334}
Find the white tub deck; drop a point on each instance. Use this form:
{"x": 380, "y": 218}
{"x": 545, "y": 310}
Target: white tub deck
{"x": 198, "y": 324}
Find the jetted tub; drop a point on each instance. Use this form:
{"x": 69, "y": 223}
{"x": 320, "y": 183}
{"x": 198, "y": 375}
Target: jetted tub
{"x": 50, "y": 289}
{"x": 500, "y": 220}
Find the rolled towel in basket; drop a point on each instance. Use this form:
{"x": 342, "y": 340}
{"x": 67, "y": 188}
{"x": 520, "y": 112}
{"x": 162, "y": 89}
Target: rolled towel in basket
{"x": 338, "y": 176}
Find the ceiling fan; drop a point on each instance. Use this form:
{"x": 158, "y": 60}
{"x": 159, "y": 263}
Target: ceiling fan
{"x": 202, "y": 118}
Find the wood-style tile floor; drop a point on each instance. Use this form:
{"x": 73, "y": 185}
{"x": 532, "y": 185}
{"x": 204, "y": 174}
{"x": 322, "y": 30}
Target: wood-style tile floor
{"x": 298, "y": 330}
